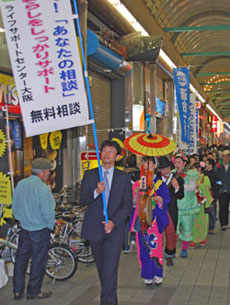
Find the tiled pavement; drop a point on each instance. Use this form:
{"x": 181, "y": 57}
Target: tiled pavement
{"x": 203, "y": 278}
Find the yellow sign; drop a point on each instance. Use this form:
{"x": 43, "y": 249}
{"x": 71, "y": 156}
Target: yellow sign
{"x": 88, "y": 161}
{"x": 7, "y": 212}
{"x": 44, "y": 140}
{"x": 55, "y": 139}
{"x": 5, "y": 189}
{"x": 2, "y": 143}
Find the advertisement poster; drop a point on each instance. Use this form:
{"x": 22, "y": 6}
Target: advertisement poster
{"x": 46, "y": 63}
{"x": 5, "y": 183}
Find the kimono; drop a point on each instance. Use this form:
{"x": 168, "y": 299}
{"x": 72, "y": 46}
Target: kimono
{"x": 201, "y": 221}
{"x": 150, "y": 241}
{"x": 188, "y": 206}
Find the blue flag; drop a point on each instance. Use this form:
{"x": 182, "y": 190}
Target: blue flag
{"x": 182, "y": 82}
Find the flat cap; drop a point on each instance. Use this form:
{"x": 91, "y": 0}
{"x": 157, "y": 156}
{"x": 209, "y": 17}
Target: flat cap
{"x": 226, "y": 152}
{"x": 41, "y": 163}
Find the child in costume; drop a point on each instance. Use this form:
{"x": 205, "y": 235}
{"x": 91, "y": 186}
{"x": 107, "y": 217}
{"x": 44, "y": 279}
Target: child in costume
{"x": 149, "y": 236}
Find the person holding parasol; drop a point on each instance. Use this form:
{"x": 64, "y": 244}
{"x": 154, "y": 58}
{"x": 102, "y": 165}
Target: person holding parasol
{"x": 151, "y": 193}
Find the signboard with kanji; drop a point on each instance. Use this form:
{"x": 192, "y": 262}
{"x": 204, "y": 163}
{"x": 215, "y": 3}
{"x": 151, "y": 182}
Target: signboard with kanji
{"x": 46, "y": 64}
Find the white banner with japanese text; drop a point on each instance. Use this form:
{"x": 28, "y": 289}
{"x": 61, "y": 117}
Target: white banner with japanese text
{"x": 46, "y": 64}
{"x": 193, "y": 122}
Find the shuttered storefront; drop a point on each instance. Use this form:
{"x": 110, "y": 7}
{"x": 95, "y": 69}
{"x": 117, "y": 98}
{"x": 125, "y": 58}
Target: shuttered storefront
{"x": 100, "y": 89}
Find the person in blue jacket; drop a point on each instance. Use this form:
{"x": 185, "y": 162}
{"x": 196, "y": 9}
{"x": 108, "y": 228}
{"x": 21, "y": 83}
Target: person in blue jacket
{"x": 33, "y": 206}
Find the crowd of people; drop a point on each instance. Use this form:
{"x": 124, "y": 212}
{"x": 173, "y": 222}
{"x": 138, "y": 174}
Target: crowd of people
{"x": 174, "y": 197}
{"x": 184, "y": 193}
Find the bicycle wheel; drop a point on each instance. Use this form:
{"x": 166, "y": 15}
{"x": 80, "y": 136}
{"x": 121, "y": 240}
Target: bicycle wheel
{"x": 81, "y": 247}
{"x": 61, "y": 263}
{"x": 14, "y": 240}
{"x": 86, "y": 253}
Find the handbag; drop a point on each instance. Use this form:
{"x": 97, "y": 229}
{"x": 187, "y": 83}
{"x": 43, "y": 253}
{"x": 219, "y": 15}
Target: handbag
{"x": 208, "y": 210}
{"x": 200, "y": 198}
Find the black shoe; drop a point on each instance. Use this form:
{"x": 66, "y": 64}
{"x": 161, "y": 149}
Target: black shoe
{"x": 41, "y": 295}
{"x": 169, "y": 261}
{"x": 223, "y": 228}
{"x": 18, "y": 295}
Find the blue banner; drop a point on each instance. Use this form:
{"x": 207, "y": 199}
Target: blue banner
{"x": 182, "y": 82}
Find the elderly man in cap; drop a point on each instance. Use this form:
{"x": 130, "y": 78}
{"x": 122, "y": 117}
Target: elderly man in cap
{"x": 223, "y": 170}
{"x": 175, "y": 186}
{"x": 33, "y": 206}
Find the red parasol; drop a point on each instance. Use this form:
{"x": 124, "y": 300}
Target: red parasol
{"x": 149, "y": 144}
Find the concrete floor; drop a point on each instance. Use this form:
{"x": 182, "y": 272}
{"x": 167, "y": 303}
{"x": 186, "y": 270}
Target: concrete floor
{"x": 203, "y": 278}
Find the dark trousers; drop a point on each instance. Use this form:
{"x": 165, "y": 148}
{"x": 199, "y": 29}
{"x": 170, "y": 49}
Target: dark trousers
{"x": 212, "y": 216}
{"x": 224, "y": 199}
{"x": 34, "y": 245}
{"x": 107, "y": 254}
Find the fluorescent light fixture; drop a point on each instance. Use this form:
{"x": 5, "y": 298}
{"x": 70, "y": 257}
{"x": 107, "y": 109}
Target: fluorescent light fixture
{"x": 2, "y": 30}
{"x": 139, "y": 28}
{"x": 213, "y": 111}
{"x": 128, "y": 16}
{"x": 166, "y": 59}
{"x": 227, "y": 125}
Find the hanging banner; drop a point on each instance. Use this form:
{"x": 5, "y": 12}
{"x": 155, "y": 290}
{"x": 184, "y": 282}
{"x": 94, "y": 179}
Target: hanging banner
{"x": 55, "y": 139}
{"x": 44, "y": 140}
{"x": 182, "y": 82}
{"x": 46, "y": 64}
{"x": 193, "y": 127}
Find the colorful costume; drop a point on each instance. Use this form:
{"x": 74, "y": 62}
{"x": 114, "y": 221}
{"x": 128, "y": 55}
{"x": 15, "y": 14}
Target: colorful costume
{"x": 170, "y": 231}
{"x": 188, "y": 206}
{"x": 149, "y": 241}
{"x": 201, "y": 221}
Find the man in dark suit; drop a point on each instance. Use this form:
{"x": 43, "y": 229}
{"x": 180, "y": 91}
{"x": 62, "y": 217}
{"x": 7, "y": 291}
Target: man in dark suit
{"x": 106, "y": 239}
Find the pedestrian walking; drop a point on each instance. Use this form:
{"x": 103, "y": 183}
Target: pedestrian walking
{"x": 106, "y": 239}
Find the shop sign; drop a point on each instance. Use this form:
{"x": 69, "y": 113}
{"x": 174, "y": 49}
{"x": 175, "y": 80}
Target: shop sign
{"x": 8, "y": 94}
{"x": 220, "y": 128}
{"x": 198, "y": 104}
{"x": 88, "y": 161}
{"x": 47, "y": 68}
{"x": 214, "y": 123}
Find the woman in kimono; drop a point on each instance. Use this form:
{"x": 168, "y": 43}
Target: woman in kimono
{"x": 187, "y": 206}
{"x": 149, "y": 238}
{"x": 201, "y": 221}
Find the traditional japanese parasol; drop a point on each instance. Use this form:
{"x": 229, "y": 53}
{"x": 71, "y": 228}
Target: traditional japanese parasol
{"x": 149, "y": 144}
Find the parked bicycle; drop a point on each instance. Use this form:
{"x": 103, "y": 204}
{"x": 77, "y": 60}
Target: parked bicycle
{"x": 67, "y": 230}
{"x": 62, "y": 262}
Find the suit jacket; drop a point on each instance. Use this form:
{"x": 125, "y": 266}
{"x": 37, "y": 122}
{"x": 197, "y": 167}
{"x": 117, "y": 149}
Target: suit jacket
{"x": 119, "y": 205}
{"x": 172, "y": 207}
